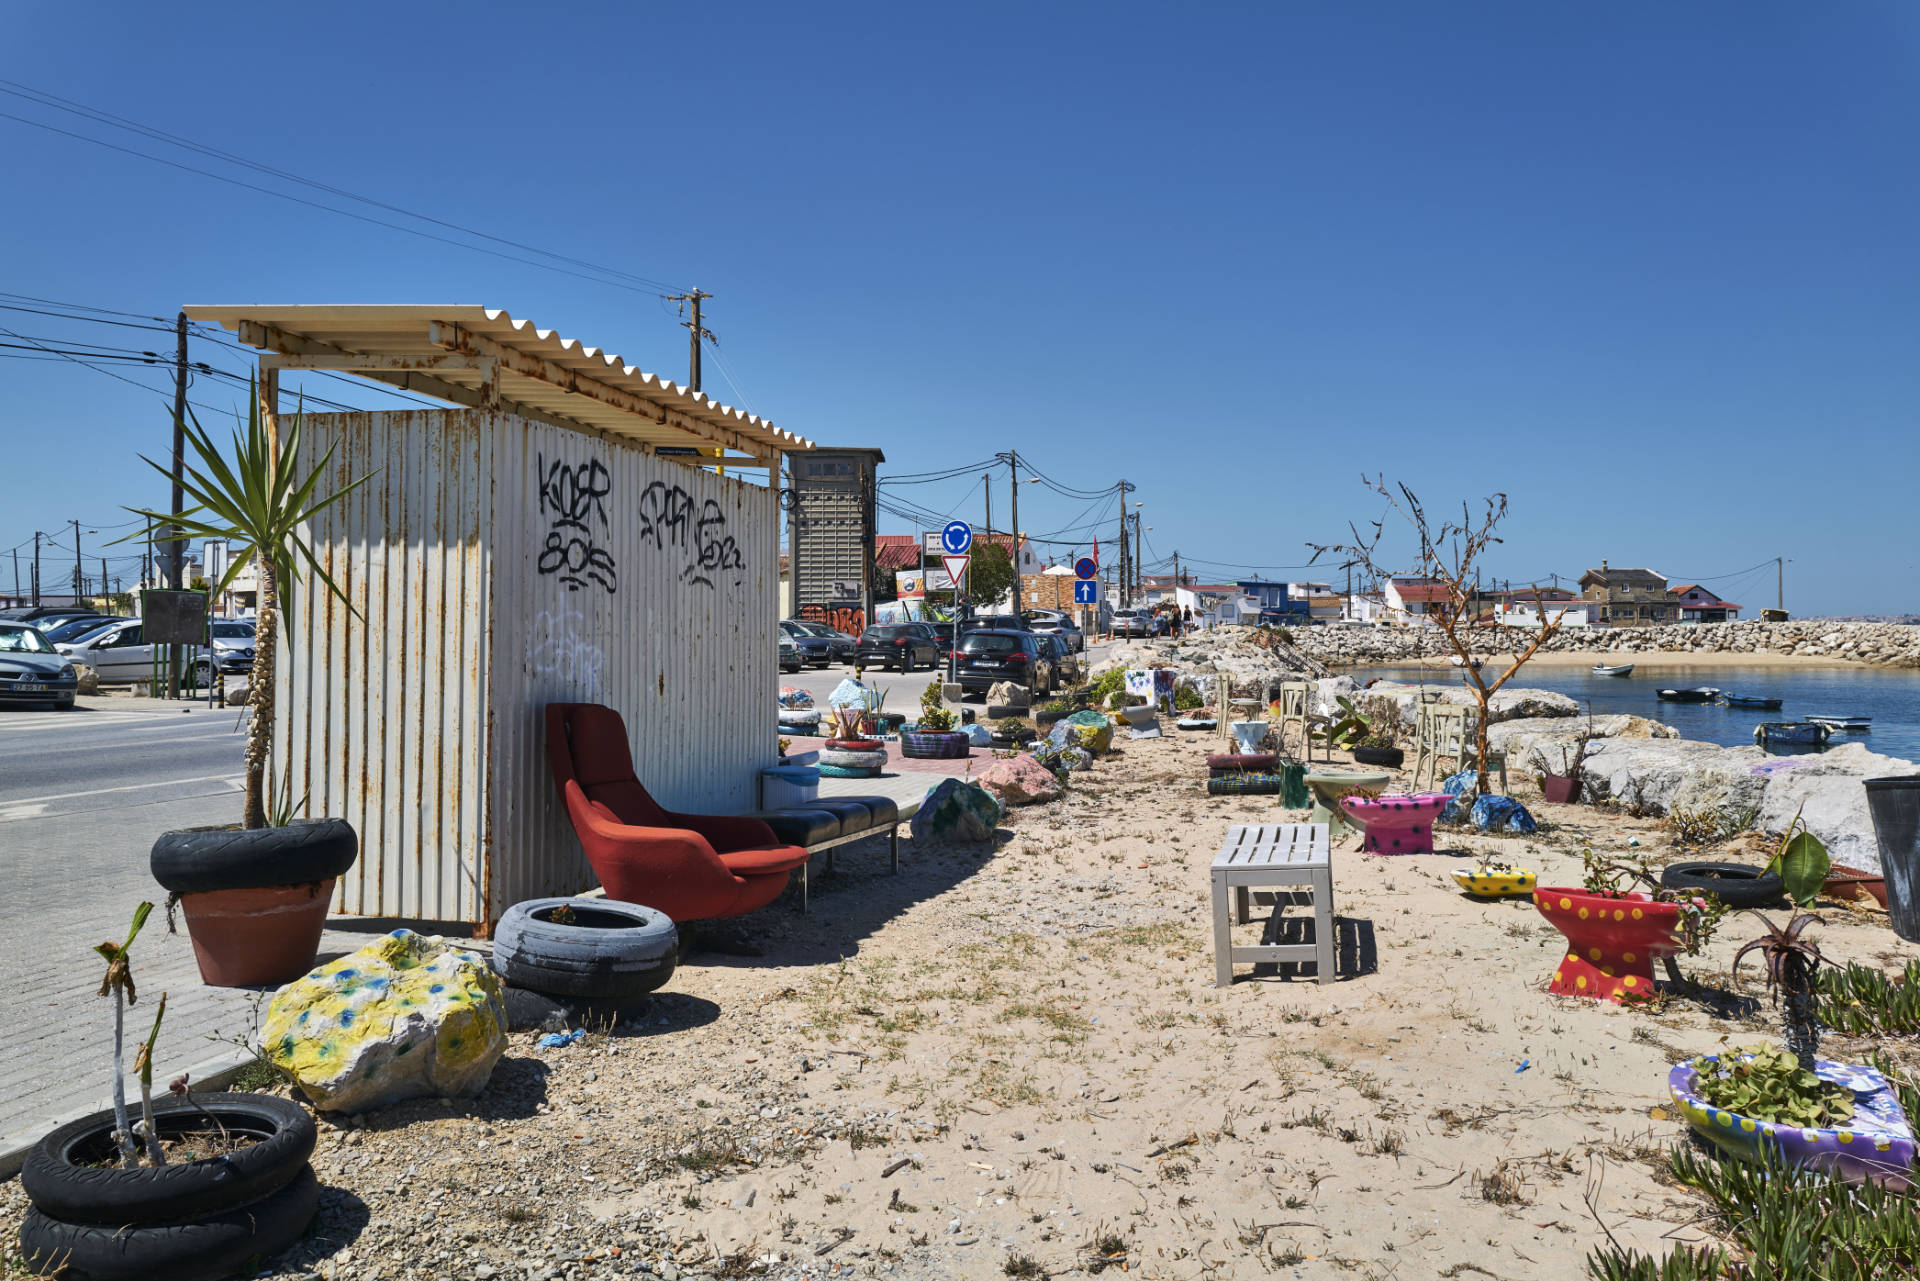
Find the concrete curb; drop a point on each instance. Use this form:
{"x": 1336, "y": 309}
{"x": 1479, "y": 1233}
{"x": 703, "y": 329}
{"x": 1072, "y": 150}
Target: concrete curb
{"x": 208, "y": 1076}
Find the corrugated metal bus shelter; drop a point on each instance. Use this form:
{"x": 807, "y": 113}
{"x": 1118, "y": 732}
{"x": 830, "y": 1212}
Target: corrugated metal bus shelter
{"x": 549, "y": 537}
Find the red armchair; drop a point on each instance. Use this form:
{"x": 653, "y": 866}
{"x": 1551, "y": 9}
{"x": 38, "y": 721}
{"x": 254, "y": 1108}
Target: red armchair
{"x": 693, "y": 867}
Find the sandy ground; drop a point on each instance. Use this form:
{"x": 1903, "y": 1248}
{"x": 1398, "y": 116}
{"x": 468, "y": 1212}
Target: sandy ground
{"x": 1020, "y": 1053}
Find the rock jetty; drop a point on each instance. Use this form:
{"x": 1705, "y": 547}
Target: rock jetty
{"x": 1871, "y": 644}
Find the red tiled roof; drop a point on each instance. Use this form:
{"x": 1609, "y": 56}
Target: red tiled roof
{"x": 1423, "y": 594}
{"x": 895, "y": 552}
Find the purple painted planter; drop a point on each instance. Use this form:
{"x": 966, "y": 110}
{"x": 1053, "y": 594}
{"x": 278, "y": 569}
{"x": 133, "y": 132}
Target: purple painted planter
{"x": 1879, "y": 1145}
{"x": 1396, "y": 824}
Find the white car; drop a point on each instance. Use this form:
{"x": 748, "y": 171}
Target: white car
{"x": 1052, "y": 622}
{"x": 1131, "y": 622}
{"x": 117, "y": 652}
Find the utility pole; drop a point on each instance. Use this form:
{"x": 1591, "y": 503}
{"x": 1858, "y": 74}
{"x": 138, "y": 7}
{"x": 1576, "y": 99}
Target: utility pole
{"x": 694, "y": 334}
{"x": 36, "y": 568}
{"x": 103, "y": 581}
{"x": 16, "y": 575}
{"x": 1780, "y": 584}
{"x": 177, "y": 547}
{"x": 1013, "y": 542}
{"x": 76, "y": 561}
{"x": 1139, "y": 579}
{"x": 1126, "y": 579}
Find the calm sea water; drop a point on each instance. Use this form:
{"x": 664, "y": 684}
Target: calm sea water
{"x": 1891, "y": 697}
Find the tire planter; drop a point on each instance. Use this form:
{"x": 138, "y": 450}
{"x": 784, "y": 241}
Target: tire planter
{"x": 849, "y": 771}
{"x": 191, "y": 1221}
{"x": 1241, "y": 761}
{"x": 933, "y": 745}
{"x": 614, "y": 953}
{"x": 1612, "y": 941}
{"x": 1559, "y": 789}
{"x": 874, "y": 760}
{"x": 1043, "y": 717}
{"x": 255, "y": 899}
{"x": 1878, "y": 1147}
{"x": 1245, "y": 784}
{"x": 1197, "y": 722}
{"x": 1735, "y": 884}
{"x": 1007, "y": 711}
{"x": 854, "y": 744}
{"x": 1015, "y": 739}
{"x": 1390, "y": 757}
{"x": 1396, "y": 824}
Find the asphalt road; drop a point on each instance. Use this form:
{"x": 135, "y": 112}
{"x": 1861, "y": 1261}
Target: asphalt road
{"x": 82, "y": 796}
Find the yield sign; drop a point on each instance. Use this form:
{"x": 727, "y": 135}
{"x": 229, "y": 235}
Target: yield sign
{"x": 956, "y": 567}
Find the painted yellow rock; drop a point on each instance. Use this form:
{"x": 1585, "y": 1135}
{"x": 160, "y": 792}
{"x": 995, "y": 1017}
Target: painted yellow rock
{"x": 1477, "y": 880}
{"x": 406, "y": 1016}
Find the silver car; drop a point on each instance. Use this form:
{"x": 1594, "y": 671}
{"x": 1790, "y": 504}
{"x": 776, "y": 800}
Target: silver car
{"x": 31, "y": 670}
{"x": 232, "y": 652}
{"x": 1052, "y": 622}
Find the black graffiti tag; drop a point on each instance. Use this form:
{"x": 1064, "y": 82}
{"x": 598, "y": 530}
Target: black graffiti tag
{"x": 573, "y": 501}
{"x": 668, "y": 514}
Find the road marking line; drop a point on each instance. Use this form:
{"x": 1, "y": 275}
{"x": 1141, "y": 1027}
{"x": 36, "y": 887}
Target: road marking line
{"x": 130, "y": 787}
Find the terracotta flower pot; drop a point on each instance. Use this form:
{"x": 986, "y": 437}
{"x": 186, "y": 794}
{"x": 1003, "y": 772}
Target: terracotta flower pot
{"x": 1612, "y": 941}
{"x": 1845, "y": 882}
{"x": 257, "y": 937}
{"x": 1560, "y": 789}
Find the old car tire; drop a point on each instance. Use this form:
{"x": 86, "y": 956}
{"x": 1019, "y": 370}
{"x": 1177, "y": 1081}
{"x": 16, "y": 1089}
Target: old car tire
{"x": 586, "y": 962}
{"x": 62, "y": 1184}
{"x": 1735, "y": 884}
{"x": 853, "y": 760}
{"x": 196, "y": 860}
{"x": 203, "y": 1249}
{"x": 1391, "y": 757}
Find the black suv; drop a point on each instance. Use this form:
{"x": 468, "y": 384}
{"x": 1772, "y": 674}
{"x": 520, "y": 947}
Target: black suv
{"x": 902, "y": 645}
{"x": 987, "y": 658}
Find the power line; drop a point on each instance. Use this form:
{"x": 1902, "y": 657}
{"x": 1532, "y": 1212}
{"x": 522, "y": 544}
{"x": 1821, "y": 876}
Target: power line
{"x": 98, "y": 116}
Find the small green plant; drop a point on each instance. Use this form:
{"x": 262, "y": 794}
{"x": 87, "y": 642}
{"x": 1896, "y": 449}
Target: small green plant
{"x": 1187, "y": 699}
{"x": 1107, "y": 685}
{"x": 1021, "y": 1266}
{"x": 118, "y": 983}
{"x": 1349, "y": 730}
{"x": 1801, "y": 862}
{"x": 1859, "y": 1001}
{"x": 934, "y": 716}
{"x": 562, "y": 915}
{"x": 1702, "y": 914}
{"x": 1769, "y": 1084}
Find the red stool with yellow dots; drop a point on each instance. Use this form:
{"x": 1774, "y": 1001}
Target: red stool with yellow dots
{"x": 1612, "y": 941}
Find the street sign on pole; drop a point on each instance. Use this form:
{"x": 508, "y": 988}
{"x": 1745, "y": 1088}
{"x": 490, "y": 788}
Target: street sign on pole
{"x": 956, "y": 567}
{"x": 1086, "y": 591}
{"x": 1086, "y": 567}
{"x": 957, "y": 538}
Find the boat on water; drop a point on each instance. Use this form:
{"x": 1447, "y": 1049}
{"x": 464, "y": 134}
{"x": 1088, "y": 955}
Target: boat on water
{"x": 1601, "y": 669}
{"x": 1751, "y": 700}
{"x": 1858, "y": 724}
{"x": 1791, "y": 733}
{"x": 1698, "y": 694}
{"x": 1457, "y": 661}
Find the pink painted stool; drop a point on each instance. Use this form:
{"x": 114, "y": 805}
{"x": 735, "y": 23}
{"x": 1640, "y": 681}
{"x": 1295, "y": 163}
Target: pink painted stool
{"x": 1396, "y": 824}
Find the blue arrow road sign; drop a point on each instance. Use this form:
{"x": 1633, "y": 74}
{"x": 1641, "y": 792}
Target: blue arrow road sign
{"x": 1086, "y": 567}
{"x": 957, "y": 537}
{"x": 1086, "y": 591}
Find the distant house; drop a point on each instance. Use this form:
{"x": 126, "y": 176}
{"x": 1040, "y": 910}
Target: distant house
{"x": 1411, "y": 599}
{"x": 1365, "y": 607}
{"x": 1270, "y": 595}
{"x": 1322, "y": 601}
{"x": 1628, "y": 597}
{"x": 1698, "y": 605}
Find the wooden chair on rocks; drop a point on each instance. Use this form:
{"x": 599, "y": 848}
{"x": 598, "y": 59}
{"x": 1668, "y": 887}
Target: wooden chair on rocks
{"x": 1296, "y": 702}
{"x": 1448, "y": 730}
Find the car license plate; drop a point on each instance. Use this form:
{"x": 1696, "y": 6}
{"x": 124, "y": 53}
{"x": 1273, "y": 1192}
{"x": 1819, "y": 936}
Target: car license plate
{"x": 29, "y": 687}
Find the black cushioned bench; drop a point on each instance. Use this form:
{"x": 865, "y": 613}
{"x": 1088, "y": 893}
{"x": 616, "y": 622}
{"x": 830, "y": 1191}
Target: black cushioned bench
{"x": 832, "y": 821}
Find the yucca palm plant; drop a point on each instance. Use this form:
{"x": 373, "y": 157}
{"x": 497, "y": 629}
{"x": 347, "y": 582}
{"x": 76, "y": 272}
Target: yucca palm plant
{"x": 257, "y": 501}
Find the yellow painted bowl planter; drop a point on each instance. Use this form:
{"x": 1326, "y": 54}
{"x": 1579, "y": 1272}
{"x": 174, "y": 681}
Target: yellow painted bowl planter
{"x": 1485, "y": 884}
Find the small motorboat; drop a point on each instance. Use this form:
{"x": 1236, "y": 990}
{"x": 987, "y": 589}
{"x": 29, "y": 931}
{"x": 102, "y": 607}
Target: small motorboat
{"x": 1698, "y": 694}
{"x": 1857, "y": 724}
{"x": 1601, "y": 669}
{"x": 1790, "y": 733}
{"x": 1751, "y": 700}
{"x": 1458, "y": 661}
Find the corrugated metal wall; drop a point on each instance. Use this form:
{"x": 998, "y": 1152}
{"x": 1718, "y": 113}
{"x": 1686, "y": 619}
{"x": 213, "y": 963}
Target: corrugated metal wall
{"x": 499, "y": 565}
{"x": 624, "y": 579}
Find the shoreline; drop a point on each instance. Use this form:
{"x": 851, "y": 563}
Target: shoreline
{"x": 1588, "y": 657}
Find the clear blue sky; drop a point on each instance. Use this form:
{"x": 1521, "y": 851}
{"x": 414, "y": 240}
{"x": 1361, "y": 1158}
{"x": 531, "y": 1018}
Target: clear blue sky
{"x": 1649, "y": 268}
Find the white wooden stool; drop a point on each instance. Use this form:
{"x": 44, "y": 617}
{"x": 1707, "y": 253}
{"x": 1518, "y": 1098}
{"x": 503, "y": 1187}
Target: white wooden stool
{"x": 1268, "y": 855}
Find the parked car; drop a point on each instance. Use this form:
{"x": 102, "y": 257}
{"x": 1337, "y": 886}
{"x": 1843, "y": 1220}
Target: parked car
{"x": 32, "y": 670}
{"x": 117, "y": 652}
{"x": 232, "y": 652}
{"x": 902, "y": 645}
{"x": 72, "y": 629}
{"x": 791, "y": 659}
{"x": 813, "y": 649}
{"x": 840, "y": 646}
{"x": 994, "y": 623}
{"x": 1131, "y": 622}
{"x": 1056, "y": 623}
{"x": 35, "y": 614}
{"x": 986, "y": 658}
{"x": 1066, "y": 667}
